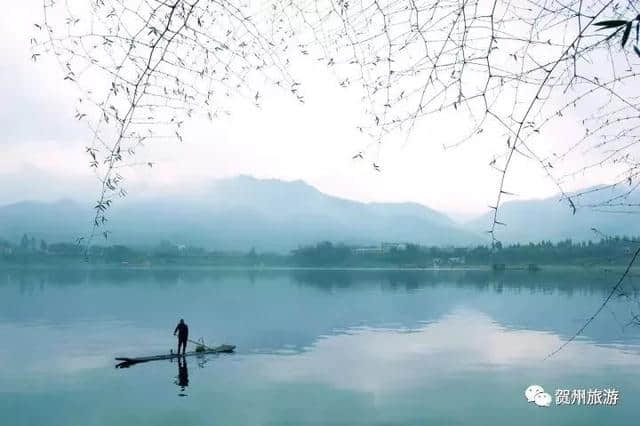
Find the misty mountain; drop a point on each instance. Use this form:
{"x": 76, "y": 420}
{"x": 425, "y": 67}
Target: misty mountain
{"x": 63, "y": 220}
{"x": 237, "y": 214}
{"x": 553, "y": 219}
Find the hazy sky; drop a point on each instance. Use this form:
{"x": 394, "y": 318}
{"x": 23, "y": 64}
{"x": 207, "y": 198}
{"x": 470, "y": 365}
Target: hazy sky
{"x": 42, "y": 145}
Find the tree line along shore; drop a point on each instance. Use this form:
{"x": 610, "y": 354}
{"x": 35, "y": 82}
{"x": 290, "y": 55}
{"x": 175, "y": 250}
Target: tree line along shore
{"x": 610, "y": 251}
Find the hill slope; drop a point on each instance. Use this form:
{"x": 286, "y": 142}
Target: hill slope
{"x": 552, "y": 219}
{"x": 240, "y": 213}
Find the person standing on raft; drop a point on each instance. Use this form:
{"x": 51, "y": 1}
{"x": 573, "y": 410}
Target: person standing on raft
{"x": 182, "y": 330}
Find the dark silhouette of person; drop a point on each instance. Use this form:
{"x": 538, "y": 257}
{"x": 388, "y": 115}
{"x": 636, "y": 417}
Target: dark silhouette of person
{"x": 183, "y": 374}
{"x": 183, "y": 335}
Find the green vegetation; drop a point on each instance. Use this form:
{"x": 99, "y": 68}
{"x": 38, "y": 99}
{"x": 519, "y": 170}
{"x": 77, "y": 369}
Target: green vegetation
{"x": 607, "y": 251}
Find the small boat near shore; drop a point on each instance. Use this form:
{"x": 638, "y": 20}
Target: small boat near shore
{"x": 129, "y": 361}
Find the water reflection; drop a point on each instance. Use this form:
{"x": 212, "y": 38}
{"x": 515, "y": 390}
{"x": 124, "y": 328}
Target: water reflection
{"x": 273, "y": 310}
{"x": 368, "y": 347}
{"x": 115, "y": 311}
{"x": 182, "y": 379}
{"x": 390, "y": 360}
{"x": 31, "y": 280}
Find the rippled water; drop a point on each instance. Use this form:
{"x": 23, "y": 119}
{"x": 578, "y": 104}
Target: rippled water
{"x": 313, "y": 347}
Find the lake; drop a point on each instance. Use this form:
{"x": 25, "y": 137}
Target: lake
{"x": 359, "y": 347}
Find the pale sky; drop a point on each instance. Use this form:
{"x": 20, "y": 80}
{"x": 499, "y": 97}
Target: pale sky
{"x": 42, "y": 146}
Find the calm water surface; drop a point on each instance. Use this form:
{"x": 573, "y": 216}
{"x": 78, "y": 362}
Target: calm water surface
{"x": 313, "y": 348}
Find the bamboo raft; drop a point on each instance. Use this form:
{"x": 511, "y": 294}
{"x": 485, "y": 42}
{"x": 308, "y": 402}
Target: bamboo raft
{"x": 128, "y": 361}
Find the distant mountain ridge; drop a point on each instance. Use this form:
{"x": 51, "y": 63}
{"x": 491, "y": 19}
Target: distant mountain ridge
{"x": 272, "y": 215}
{"x": 553, "y": 219}
{"x": 238, "y": 214}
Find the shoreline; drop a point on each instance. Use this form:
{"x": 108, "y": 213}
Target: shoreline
{"x": 257, "y": 268}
